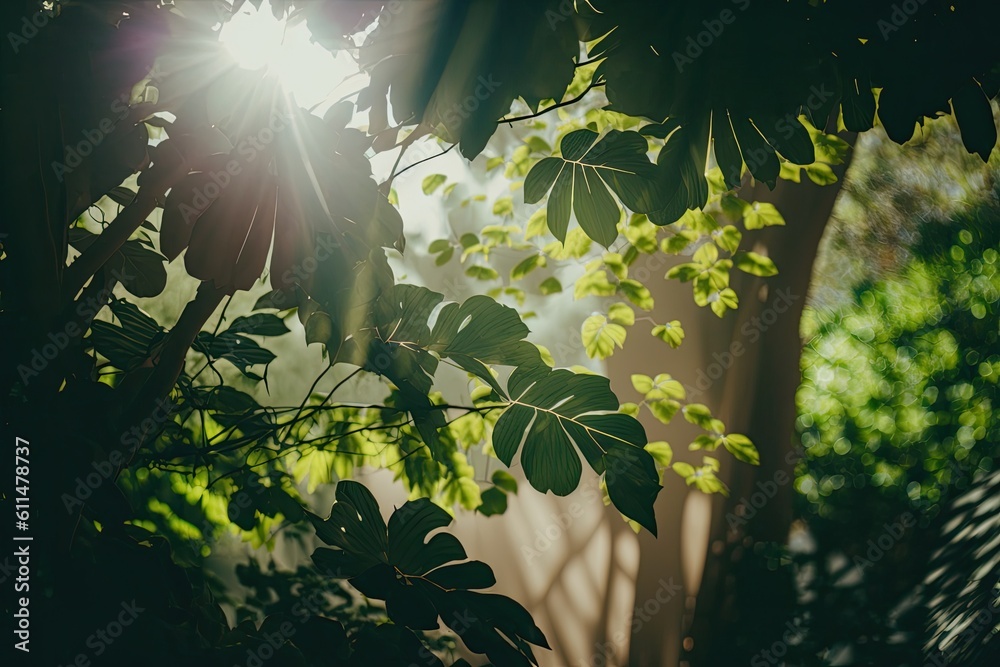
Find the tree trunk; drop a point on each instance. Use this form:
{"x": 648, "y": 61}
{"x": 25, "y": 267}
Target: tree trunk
{"x": 745, "y": 367}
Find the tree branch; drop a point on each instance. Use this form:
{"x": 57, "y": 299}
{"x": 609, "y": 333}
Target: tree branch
{"x": 564, "y": 103}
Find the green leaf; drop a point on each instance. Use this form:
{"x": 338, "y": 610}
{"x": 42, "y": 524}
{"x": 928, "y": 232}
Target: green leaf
{"x": 494, "y": 501}
{"x": 673, "y": 245}
{"x": 440, "y": 245}
{"x": 526, "y": 266}
{"x": 821, "y": 174}
{"x": 445, "y": 256}
{"x": 664, "y": 409}
{"x": 538, "y": 145}
{"x": 504, "y": 206}
{"x": 661, "y": 452}
{"x": 630, "y": 409}
{"x": 319, "y": 328}
{"x": 129, "y": 344}
{"x": 728, "y": 238}
{"x": 759, "y": 215}
{"x": 259, "y": 324}
{"x": 616, "y": 264}
{"x": 550, "y": 285}
{"x": 482, "y": 331}
{"x": 594, "y": 283}
{"x": 727, "y": 151}
{"x": 244, "y": 517}
{"x": 699, "y": 415}
{"x": 664, "y": 386}
{"x": 760, "y": 158}
{"x": 633, "y": 482}
{"x": 703, "y": 478}
{"x": 482, "y": 272}
{"x": 504, "y": 480}
{"x": 671, "y": 333}
{"x": 858, "y": 105}
{"x": 724, "y": 300}
{"x": 829, "y": 147}
{"x": 601, "y": 336}
{"x": 642, "y": 383}
{"x": 754, "y": 264}
{"x": 791, "y": 139}
{"x": 584, "y": 177}
{"x": 536, "y": 226}
{"x": 641, "y": 233}
{"x": 620, "y": 313}
{"x": 637, "y": 293}
{"x": 432, "y": 183}
{"x": 235, "y": 348}
{"x": 559, "y": 415}
{"x": 741, "y": 447}
{"x": 462, "y": 491}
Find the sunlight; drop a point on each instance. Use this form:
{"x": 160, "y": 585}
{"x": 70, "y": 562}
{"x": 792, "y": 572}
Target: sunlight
{"x": 255, "y": 39}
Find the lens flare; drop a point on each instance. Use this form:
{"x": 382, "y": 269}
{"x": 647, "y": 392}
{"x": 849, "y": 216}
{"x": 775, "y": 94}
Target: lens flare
{"x": 255, "y": 40}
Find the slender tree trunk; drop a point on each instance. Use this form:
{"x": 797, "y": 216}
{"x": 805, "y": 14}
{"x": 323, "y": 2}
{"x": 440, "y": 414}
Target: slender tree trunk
{"x": 746, "y": 369}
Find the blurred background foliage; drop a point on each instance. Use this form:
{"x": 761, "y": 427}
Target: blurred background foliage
{"x": 895, "y": 549}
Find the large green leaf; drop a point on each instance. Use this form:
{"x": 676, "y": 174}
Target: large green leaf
{"x": 478, "y": 332}
{"x": 420, "y": 579}
{"x": 557, "y": 416}
{"x": 584, "y": 177}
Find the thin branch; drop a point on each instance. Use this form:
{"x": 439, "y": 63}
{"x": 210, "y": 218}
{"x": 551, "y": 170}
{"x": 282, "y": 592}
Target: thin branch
{"x": 403, "y": 145}
{"x": 558, "y": 105}
{"x": 411, "y": 166}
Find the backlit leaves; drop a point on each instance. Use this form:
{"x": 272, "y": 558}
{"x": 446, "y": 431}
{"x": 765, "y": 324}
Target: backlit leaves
{"x": 556, "y": 416}
{"x": 583, "y": 179}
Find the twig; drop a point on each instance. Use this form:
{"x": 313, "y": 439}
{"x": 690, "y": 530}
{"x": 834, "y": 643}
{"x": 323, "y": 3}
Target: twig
{"x": 411, "y": 166}
{"x": 558, "y": 105}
